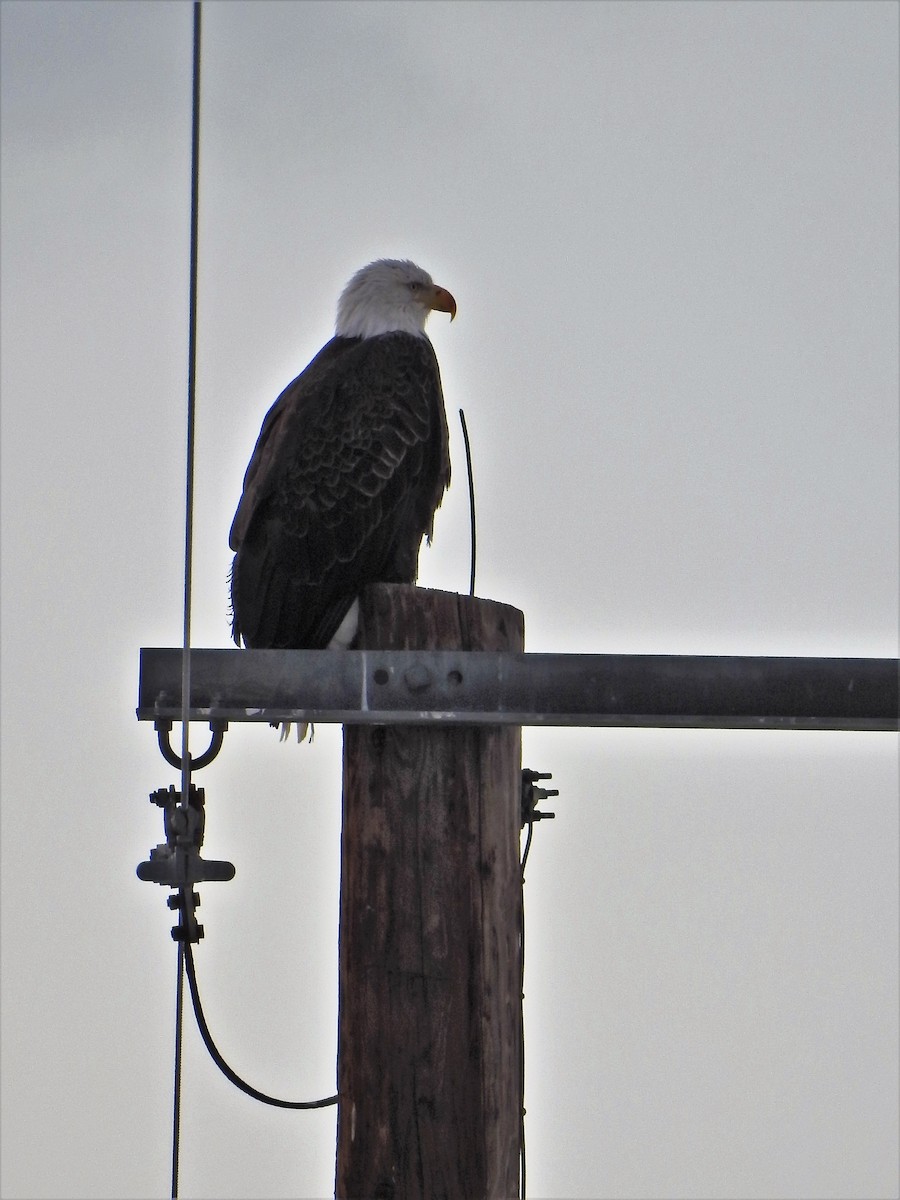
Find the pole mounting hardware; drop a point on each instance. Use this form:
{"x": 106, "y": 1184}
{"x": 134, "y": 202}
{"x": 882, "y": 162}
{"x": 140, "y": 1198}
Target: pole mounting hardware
{"x": 176, "y": 862}
{"x": 532, "y": 795}
{"x": 163, "y": 727}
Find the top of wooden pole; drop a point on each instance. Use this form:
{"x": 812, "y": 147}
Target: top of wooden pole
{"x": 430, "y": 1032}
{"x": 395, "y": 616}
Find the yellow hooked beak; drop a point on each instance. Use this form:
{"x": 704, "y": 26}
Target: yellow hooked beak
{"x": 442, "y": 301}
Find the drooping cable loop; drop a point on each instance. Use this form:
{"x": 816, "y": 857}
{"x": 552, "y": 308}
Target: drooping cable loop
{"x": 220, "y": 1062}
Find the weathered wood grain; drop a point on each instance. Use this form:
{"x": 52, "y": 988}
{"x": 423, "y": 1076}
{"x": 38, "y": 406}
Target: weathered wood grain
{"x": 429, "y": 1029}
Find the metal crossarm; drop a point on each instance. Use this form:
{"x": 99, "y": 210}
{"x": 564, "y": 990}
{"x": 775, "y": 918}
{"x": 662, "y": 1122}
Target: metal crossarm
{"x": 478, "y": 687}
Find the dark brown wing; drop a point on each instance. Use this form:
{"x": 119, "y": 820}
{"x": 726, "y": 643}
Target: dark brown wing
{"x": 349, "y": 467}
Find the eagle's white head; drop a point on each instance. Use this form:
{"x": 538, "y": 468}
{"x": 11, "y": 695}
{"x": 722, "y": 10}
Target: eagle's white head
{"x": 389, "y": 296}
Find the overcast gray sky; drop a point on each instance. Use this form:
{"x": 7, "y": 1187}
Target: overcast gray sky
{"x": 671, "y": 229}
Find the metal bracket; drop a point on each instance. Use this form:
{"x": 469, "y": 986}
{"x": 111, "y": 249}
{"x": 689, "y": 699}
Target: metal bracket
{"x": 163, "y": 727}
{"x": 443, "y": 687}
{"x": 532, "y": 795}
{"x": 176, "y": 863}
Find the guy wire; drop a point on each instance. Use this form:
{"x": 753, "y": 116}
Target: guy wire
{"x": 176, "y": 1099}
{"x": 188, "y": 548}
{"x": 191, "y": 404}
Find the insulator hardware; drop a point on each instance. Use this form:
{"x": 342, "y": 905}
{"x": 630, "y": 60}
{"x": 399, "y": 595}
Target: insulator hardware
{"x": 532, "y": 795}
{"x": 176, "y": 862}
{"x": 163, "y": 727}
{"x": 188, "y": 928}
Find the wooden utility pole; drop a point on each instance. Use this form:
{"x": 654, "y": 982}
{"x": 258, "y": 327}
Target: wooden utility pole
{"x": 429, "y": 1032}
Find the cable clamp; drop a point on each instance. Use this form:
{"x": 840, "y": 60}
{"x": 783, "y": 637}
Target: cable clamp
{"x": 532, "y": 795}
{"x": 176, "y": 862}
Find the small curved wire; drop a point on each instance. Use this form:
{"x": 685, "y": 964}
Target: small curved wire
{"x": 462, "y": 421}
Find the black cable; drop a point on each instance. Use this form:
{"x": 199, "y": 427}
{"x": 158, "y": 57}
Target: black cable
{"x": 220, "y": 1062}
{"x": 522, "y": 1043}
{"x": 522, "y": 1185}
{"x": 471, "y": 476}
{"x": 176, "y": 1099}
{"x": 528, "y": 838}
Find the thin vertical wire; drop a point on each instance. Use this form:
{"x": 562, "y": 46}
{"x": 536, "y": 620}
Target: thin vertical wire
{"x": 523, "y": 1189}
{"x": 191, "y": 400}
{"x": 188, "y": 554}
{"x": 465, "y": 432}
{"x": 176, "y": 1100}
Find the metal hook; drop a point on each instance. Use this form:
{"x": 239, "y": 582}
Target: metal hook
{"x": 163, "y": 727}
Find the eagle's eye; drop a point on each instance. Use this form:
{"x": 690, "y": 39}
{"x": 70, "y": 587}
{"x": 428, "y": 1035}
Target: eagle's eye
{"x": 414, "y": 286}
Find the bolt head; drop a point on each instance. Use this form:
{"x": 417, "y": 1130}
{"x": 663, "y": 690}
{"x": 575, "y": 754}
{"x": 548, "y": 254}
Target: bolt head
{"x": 417, "y": 678}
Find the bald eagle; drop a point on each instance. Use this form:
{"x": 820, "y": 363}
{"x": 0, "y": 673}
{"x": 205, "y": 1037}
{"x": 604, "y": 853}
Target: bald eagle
{"x": 349, "y": 468}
